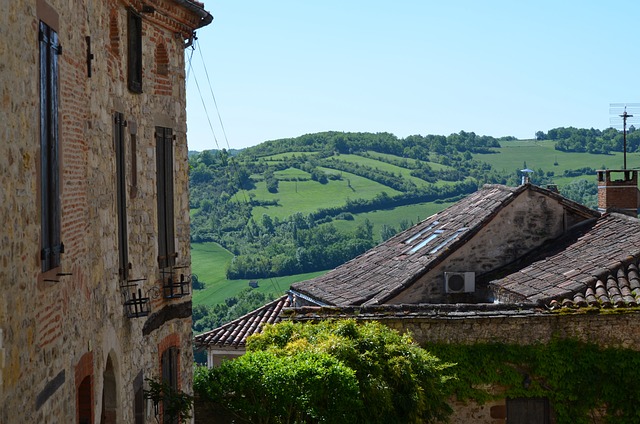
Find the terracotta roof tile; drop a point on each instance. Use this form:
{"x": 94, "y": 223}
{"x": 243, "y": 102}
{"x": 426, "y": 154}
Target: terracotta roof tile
{"x": 599, "y": 268}
{"x": 234, "y": 334}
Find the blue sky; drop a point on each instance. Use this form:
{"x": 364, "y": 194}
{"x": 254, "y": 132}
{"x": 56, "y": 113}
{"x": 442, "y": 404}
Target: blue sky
{"x": 285, "y": 68}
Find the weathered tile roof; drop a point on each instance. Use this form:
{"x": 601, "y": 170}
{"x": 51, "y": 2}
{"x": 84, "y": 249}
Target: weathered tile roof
{"x": 597, "y": 268}
{"x": 387, "y": 269}
{"x": 234, "y": 334}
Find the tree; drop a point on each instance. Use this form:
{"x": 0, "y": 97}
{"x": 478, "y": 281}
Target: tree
{"x": 386, "y": 232}
{"x": 329, "y": 372}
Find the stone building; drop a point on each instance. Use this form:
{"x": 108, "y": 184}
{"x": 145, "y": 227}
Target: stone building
{"x": 94, "y": 247}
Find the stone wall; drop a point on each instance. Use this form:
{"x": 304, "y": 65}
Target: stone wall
{"x": 614, "y": 330}
{"x": 59, "y": 327}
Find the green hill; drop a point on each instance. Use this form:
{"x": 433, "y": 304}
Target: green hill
{"x": 288, "y": 209}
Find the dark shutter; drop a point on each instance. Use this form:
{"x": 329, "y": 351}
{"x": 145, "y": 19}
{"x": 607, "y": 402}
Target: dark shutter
{"x": 164, "y": 182}
{"x": 134, "y": 51}
{"x": 170, "y": 377}
{"x": 121, "y": 193}
{"x": 49, "y": 148}
{"x": 528, "y": 411}
{"x": 138, "y": 401}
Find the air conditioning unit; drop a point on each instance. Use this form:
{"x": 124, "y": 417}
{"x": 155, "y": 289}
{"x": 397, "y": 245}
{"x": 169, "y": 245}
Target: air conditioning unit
{"x": 459, "y": 282}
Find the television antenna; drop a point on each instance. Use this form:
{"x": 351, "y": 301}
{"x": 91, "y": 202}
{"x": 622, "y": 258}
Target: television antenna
{"x": 626, "y": 111}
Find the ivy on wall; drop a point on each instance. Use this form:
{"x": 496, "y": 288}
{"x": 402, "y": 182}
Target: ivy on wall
{"x": 581, "y": 380}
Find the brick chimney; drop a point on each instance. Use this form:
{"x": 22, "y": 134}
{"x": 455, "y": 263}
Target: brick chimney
{"x": 618, "y": 190}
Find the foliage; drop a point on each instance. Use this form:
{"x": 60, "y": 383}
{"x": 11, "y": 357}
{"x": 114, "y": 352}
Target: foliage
{"x": 570, "y": 139}
{"x": 582, "y": 191}
{"x": 175, "y": 403}
{"x": 580, "y": 379}
{"x": 333, "y": 372}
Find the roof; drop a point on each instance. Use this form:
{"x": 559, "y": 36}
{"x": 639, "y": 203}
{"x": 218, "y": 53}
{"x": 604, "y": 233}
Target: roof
{"x": 233, "y": 335}
{"x": 597, "y": 267}
{"x": 389, "y": 268}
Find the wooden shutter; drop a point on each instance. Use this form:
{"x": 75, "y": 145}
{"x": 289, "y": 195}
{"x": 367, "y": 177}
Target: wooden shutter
{"x": 164, "y": 182}
{"x": 134, "y": 51}
{"x": 121, "y": 194}
{"x": 528, "y": 411}
{"x": 49, "y": 148}
{"x": 170, "y": 376}
{"x": 138, "y": 401}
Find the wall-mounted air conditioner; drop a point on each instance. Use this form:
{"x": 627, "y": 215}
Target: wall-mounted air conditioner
{"x": 459, "y": 282}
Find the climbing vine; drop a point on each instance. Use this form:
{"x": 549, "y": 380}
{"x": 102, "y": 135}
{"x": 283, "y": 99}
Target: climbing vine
{"x": 581, "y": 380}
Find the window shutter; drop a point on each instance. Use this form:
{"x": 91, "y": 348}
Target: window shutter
{"x": 49, "y": 148}
{"x": 134, "y": 51}
{"x": 164, "y": 177}
{"x": 121, "y": 194}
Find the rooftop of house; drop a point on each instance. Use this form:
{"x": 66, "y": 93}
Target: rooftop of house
{"x": 380, "y": 273}
{"x": 233, "y": 335}
{"x": 596, "y": 265}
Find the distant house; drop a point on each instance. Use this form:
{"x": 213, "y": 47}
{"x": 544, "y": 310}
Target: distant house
{"x": 95, "y": 254}
{"x": 229, "y": 340}
{"x": 492, "y": 268}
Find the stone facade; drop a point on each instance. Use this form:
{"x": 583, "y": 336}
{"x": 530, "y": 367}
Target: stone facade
{"x": 68, "y": 350}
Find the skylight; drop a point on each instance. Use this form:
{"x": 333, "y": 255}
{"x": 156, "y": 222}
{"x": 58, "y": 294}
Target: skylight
{"x": 447, "y": 241}
{"x": 424, "y": 242}
{"x": 408, "y": 241}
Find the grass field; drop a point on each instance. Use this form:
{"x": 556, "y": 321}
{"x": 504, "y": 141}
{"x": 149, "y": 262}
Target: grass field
{"x": 541, "y": 154}
{"x": 383, "y": 166}
{"x": 308, "y": 196}
{"x": 208, "y": 262}
{"x": 392, "y": 217}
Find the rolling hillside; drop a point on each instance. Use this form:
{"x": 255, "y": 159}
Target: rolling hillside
{"x": 288, "y": 210}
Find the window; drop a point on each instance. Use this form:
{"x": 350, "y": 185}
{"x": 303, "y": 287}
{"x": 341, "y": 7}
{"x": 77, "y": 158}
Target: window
{"x": 138, "y": 399}
{"x": 121, "y": 194}
{"x": 164, "y": 181}
{"x": 134, "y": 39}
{"x": 528, "y": 411}
{"x": 84, "y": 401}
{"x": 169, "y": 364}
{"x": 52, "y": 246}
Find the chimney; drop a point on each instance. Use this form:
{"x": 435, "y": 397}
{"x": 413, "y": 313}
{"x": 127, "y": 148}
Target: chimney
{"x": 618, "y": 191}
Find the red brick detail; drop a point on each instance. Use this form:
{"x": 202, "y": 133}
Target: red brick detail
{"x": 84, "y": 388}
{"x": 162, "y": 81}
{"x": 172, "y": 340}
{"x": 114, "y": 33}
{"x": 618, "y": 189}
{"x": 49, "y": 323}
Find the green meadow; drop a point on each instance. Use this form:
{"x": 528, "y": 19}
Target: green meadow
{"x": 541, "y": 155}
{"x": 209, "y": 262}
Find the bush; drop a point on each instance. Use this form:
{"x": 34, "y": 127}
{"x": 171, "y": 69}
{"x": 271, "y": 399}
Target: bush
{"x": 331, "y": 372}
